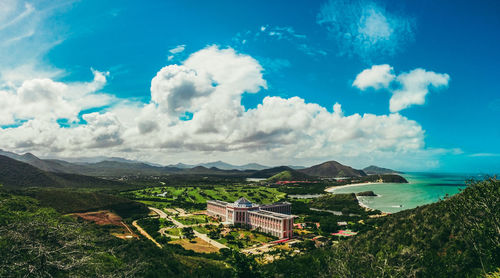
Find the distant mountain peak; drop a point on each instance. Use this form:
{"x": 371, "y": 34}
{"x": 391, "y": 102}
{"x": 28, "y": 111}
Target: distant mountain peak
{"x": 332, "y": 168}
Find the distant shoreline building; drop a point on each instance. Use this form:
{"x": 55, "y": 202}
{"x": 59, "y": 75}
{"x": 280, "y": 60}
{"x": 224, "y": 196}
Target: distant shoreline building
{"x": 274, "y": 219}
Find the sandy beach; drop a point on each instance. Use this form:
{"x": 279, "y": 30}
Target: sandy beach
{"x": 332, "y": 189}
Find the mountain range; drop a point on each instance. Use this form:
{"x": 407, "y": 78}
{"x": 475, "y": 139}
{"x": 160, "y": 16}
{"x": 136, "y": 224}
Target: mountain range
{"x": 14, "y": 173}
{"x": 122, "y": 167}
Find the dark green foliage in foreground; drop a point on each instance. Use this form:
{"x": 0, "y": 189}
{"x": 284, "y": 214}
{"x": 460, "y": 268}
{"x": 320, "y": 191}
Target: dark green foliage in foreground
{"x": 458, "y": 237}
{"x": 39, "y": 242}
{"x": 151, "y": 226}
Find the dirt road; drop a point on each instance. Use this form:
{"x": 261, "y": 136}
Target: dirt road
{"x": 144, "y": 233}
{"x": 162, "y": 214}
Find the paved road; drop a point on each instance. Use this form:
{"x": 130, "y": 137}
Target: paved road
{"x": 204, "y": 237}
{"x": 144, "y": 233}
{"x": 209, "y": 240}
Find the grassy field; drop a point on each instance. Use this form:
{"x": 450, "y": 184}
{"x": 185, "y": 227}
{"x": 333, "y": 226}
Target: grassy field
{"x": 174, "y": 231}
{"x": 194, "y": 198}
{"x": 192, "y": 219}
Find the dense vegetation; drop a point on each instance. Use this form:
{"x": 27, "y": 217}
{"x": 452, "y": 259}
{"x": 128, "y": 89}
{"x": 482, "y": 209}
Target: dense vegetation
{"x": 347, "y": 203}
{"x": 290, "y": 175}
{"x": 67, "y": 201}
{"x": 458, "y": 237}
{"x": 38, "y": 242}
{"x": 16, "y": 174}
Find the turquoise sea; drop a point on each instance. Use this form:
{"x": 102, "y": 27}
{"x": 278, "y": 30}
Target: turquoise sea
{"x": 423, "y": 188}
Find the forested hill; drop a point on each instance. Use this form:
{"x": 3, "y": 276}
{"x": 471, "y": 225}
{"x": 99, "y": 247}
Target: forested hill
{"x": 290, "y": 175}
{"x": 332, "y": 169}
{"x": 37, "y": 241}
{"x": 16, "y": 174}
{"x": 458, "y": 237}
{"x": 373, "y": 170}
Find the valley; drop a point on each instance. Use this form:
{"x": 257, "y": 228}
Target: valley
{"x": 167, "y": 214}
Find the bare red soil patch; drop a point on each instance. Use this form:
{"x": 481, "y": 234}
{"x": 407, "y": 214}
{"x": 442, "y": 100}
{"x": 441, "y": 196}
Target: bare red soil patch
{"x": 106, "y": 217}
{"x": 102, "y": 217}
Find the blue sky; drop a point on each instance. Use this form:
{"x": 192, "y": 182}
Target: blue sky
{"x": 314, "y": 50}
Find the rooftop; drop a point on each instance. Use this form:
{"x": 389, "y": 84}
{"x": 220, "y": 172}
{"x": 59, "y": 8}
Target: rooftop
{"x": 273, "y": 214}
{"x": 218, "y": 202}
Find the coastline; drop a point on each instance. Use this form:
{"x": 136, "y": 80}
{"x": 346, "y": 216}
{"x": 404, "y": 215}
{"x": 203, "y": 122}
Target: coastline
{"x": 361, "y": 204}
{"x": 332, "y": 189}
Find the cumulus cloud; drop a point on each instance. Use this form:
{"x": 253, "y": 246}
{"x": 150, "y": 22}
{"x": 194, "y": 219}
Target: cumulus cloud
{"x": 365, "y": 28}
{"x": 377, "y": 77}
{"x": 175, "y": 88}
{"x": 415, "y": 86}
{"x": 43, "y": 98}
{"x": 209, "y": 84}
{"x": 411, "y": 88}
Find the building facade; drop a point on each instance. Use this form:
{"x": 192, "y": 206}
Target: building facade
{"x": 274, "y": 219}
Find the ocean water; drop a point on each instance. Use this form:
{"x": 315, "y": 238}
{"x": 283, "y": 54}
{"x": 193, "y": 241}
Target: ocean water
{"x": 422, "y": 189}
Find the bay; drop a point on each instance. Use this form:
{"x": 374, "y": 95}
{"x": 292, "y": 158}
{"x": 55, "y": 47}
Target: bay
{"x": 422, "y": 189}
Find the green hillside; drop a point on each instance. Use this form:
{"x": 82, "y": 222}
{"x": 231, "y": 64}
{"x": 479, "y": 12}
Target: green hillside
{"x": 332, "y": 169}
{"x": 290, "y": 175}
{"x": 16, "y": 174}
{"x": 39, "y": 242}
{"x": 458, "y": 237}
{"x": 68, "y": 200}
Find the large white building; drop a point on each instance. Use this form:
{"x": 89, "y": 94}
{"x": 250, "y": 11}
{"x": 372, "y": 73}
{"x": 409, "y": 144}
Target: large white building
{"x": 274, "y": 219}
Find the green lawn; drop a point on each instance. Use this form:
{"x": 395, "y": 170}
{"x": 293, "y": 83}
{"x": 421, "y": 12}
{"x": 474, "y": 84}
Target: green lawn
{"x": 174, "y": 231}
{"x": 193, "y": 219}
{"x": 194, "y": 198}
{"x": 201, "y": 229}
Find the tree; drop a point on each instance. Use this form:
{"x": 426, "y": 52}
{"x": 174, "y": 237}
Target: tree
{"x": 188, "y": 233}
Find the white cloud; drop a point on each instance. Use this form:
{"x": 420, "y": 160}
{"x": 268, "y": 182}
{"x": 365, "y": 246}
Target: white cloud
{"x": 377, "y": 77}
{"x": 25, "y": 39}
{"x": 415, "y": 87}
{"x": 177, "y": 49}
{"x": 209, "y": 84}
{"x": 43, "y": 98}
{"x": 412, "y": 87}
{"x": 484, "y": 155}
{"x": 365, "y": 28}
{"x": 175, "y": 88}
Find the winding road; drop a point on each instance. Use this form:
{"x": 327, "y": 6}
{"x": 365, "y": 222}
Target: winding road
{"x": 204, "y": 237}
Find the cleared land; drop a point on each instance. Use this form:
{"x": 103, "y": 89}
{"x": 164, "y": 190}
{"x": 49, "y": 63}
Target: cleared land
{"x": 105, "y": 217}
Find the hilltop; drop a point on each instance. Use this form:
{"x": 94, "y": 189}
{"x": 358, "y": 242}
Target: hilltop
{"x": 290, "y": 175}
{"x": 332, "y": 169}
{"x": 374, "y": 170}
